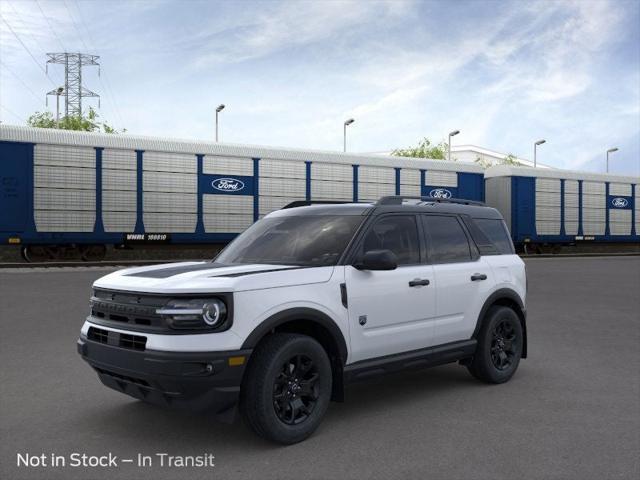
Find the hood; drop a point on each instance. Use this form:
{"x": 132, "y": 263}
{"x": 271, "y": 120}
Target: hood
{"x": 208, "y": 277}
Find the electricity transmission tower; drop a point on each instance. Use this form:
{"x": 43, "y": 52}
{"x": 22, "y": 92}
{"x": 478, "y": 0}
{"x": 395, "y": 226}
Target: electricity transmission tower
{"x": 73, "y": 91}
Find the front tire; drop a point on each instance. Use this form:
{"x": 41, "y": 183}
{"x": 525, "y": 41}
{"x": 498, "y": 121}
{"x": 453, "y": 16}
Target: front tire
{"x": 287, "y": 388}
{"x": 499, "y": 349}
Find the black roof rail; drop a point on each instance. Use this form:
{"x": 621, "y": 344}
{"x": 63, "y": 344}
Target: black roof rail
{"x": 307, "y": 203}
{"x": 398, "y": 199}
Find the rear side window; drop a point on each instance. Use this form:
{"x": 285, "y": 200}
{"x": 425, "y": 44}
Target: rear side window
{"x": 398, "y": 233}
{"x": 496, "y": 231}
{"x": 446, "y": 239}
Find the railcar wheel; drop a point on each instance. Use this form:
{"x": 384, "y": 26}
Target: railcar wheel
{"x": 93, "y": 253}
{"x": 38, "y": 253}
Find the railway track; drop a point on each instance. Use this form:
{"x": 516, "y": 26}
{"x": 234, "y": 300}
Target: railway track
{"x": 136, "y": 263}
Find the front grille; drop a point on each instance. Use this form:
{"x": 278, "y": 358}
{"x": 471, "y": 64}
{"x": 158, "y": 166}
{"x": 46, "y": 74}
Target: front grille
{"x": 134, "y": 342}
{"x": 98, "y": 335}
{"x": 135, "y": 310}
{"x": 117, "y": 339}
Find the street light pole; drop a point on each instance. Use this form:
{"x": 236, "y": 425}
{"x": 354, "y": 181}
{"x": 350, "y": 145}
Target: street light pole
{"x": 611, "y": 150}
{"x": 58, "y": 93}
{"x": 451, "y": 134}
{"x": 344, "y": 137}
{"x": 535, "y": 152}
{"x": 218, "y": 110}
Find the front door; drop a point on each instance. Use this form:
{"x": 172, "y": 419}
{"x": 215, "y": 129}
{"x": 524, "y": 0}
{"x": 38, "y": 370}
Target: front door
{"x": 391, "y": 311}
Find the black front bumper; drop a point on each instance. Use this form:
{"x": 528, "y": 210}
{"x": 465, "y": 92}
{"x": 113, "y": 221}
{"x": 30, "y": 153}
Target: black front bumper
{"x": 196, "y": 381}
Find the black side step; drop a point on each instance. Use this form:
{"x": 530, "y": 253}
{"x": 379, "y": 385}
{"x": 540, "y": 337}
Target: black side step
{"x": 423, "y": 358}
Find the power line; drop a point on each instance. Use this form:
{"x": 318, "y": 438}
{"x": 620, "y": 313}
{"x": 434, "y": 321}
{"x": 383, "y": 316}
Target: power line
{"x": 35, "y": 95}
{"x": 28, "y": 51}
{"x": 74, "y": 25}
{"x": 51, "y": 27}
{"x": 25, "y": 28}
{"x": 106, "y": 84}
{"x": 11, "y": 112}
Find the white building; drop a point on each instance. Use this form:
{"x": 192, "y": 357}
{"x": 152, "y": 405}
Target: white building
{"x": 470, "y": 153}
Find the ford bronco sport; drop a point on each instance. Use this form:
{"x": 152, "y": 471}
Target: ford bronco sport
{"x": 309, "y": 299}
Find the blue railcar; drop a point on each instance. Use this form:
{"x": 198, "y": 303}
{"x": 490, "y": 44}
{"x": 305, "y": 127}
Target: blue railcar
{"x": 78, "y": 190}
{"x": 557, "y": 207}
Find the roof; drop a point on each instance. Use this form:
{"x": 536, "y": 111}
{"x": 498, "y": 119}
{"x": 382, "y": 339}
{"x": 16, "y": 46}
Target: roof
{"x": 474, "y": 211}
{"x": 132, "y": 142}
{"x": 510, "y": 171}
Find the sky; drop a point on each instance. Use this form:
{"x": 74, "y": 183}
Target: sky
{"x": 505, "y": 73}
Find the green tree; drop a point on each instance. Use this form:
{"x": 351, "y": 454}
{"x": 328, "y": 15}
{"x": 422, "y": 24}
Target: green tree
{"x": 424, "y": 149}
{"x": 88, "y": 123}
{"x": 510, "y": 159}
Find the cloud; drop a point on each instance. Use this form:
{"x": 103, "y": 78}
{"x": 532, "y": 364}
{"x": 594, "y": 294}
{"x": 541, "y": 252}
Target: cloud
{"x": 285, "y": 26}
{"x": 502, "y": 72}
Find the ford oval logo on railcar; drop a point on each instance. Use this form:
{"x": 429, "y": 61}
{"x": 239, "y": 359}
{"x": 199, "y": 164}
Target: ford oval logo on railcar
{"x": 619, "y": 202}
{"x": 228, "y": 184}
{"x": 440, "y": 193}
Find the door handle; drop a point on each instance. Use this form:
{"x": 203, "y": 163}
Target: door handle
{"x": 478, "y": 276}
{"x": 418, "y": 282}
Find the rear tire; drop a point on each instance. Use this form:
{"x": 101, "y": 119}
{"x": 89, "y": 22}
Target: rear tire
{"x": 499, "y": 349}
{"x": 287, "y": 388}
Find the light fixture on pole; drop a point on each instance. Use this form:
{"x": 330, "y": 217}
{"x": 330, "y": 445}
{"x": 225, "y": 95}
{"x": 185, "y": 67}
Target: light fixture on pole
{"x": 611, "y": 150}
{"x": 218, "y": 110}
{"x": 535, "y": 152}
{"x": 451, "y": 134}
{"x": 58, "y": 93}
{"x": 344, "y": 137}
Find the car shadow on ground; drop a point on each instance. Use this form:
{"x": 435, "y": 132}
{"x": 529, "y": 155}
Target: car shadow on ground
{"x": 188, "y": 431}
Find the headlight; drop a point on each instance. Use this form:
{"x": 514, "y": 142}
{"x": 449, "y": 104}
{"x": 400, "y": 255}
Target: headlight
{"x": 194, "y": 313}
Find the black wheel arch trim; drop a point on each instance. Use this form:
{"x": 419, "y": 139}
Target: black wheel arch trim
{"x": 511, "y": 296}
{"x": 319, "y": 318}
{"x": 299, "y": 313}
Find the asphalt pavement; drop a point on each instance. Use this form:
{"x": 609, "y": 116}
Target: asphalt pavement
{"x": 572, "y": 411}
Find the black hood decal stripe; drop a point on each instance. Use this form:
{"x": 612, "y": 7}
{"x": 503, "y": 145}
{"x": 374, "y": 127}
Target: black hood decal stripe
{"x": 171, "y": 271}
{"x": 255, "y": 272}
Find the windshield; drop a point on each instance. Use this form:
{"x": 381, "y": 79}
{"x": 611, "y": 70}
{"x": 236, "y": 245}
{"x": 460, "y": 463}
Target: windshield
{"x": 310, "y": 240}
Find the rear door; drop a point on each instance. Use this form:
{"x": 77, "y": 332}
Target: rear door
{"x": 14, "y": 178}
{"x": 391, "y": 311}
{"x": 462, "y": 278}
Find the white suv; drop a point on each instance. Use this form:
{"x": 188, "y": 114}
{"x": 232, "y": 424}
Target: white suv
{"x": 311, "y": 298}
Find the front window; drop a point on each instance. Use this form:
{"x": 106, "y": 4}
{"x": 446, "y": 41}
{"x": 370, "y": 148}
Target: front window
{"x": 397, "y": 233}
{"x": 309, "y": 240}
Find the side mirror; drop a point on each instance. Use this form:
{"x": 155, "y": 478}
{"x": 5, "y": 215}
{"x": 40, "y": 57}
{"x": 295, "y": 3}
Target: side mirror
{"x": 377, "y": 260}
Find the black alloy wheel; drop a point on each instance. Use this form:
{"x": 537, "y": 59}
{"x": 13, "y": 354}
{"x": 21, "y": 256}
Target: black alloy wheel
{"x": 286, "y": 388}
{"x": 500, "y": 342}
{"x": 295, "y": 390}
{"x": 503, "y": 345}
